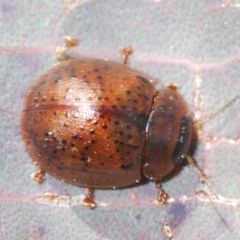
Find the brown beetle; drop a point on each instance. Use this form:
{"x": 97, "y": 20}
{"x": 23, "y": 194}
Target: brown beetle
{"x": 102, "y": 124}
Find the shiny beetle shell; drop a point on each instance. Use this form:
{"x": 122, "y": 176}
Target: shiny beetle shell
{"x": 101, "y": 124}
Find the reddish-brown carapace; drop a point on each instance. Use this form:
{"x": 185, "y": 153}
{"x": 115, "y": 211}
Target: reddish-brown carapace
{"x": 101, "y": 124}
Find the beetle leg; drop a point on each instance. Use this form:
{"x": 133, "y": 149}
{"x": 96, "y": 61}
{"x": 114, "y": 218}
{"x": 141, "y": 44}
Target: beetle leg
{"x": 126, "y": 52}
{"x": 38, "y": 176}
{"x": 61, "y": 51}
{"x": 89, "y": 199}
{"x": 162, "y": 195}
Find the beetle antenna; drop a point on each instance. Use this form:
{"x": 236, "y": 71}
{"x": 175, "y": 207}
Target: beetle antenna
{"x": 199, "y": 123}
{"x": 200, "y": 174}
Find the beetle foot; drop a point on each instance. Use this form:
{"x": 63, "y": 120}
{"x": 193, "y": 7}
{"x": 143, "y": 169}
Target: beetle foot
{"x": 126, "y": 52}
{"x": 172, "y": 86}
{"x": 162, "y": 197}
{"x": 89, "y": 199}
{"x": 61, "y": 51}
{"x": 38, "y": 176}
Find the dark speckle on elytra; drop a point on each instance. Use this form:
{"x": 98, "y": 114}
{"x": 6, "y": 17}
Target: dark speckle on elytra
{"x": 144, "y": 96}
{"x": 58, "y": 80}
{"x": 55, "y": 138}
{"x": 92, "y": 131}
{"x": 133, "y": 146}
{"x": 99, "y": 77}
{"x": 143, "y": 79}
{"x": 104, "y": 126}
{"x": 47, "y": 133}
{"x": 116, "y": 122}
{"x": 65, "y": 124}
{"x": 74, "y": 135}
{"x": 128, "y": 92}
{"x": 96, "y": 70}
